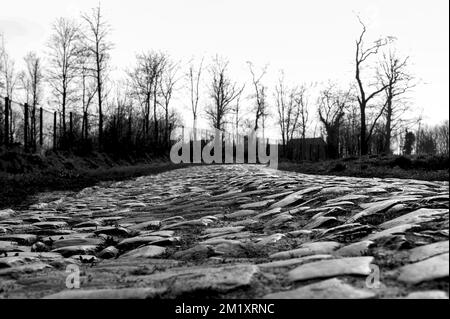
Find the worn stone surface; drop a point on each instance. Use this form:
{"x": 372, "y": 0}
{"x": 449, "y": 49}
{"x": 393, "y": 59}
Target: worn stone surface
{"x": 121, "y": 293}
{"x": 426, "y": 251}
{"x": 149, "y": 251}
{"x": 334, "y": 267}
{"x": 212, "y": 279}
{"x": 327, "y": 289}
{"x": 429, "y": 269}
{"x": 306, "y": 249}
{"x": 356, "y": 249}
{"x": 415, "y": 217}
{"x": 428, "y": 294}
{"x": 293, "y": 261}
{"x": 231, "y": 231}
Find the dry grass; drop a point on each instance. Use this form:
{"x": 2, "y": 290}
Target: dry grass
{"x": 428, "y": 168}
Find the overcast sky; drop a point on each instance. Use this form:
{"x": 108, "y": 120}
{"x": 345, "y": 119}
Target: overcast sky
{"x": 310, "y": 40}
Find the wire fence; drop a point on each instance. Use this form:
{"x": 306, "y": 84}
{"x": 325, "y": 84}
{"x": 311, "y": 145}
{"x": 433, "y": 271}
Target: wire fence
{"x": 37, "y": 128}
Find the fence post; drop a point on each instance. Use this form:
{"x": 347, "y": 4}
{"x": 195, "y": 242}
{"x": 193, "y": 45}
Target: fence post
{"x": 62, "y": 131}
{"x": 41, "y": 139}
{"x": 25, "y": 126}
{"x": 6, "y": 138}
{"x": 54, "y": 131}
{"x": 33, "y": 128}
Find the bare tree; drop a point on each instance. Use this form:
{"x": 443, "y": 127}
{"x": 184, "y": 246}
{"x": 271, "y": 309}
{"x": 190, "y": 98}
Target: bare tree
{"x": 87, "y": 80}
{"x": 302, "y": 100}
{"x": 8, "y": 83}
{"x": 283, "y": 112}
{"x": 141, "y": 79}
{"x": 194, "y": 75}
{"x": 64, "y": 48}
{"x": 2, "y": 53}
{"x": 260, "y": 108}
{"x": 349, "y": 133}
{"x": 167, "y": 87}
{"x": 9, "y": 76}
{"x": 88, "y": 84}
{"x": 332, "y": 106}
{"x": 32, "y": 80}
{"x": 145, "y": 83}
{"x": 442, "y": 137}
{"x": 96, "y": 41}
{"x": 364, "y": 97}
{"x": 393, "y": 75}
{"x": 160, "y": 65}
{"x": 223, "y": 92}
{"x": 237, "y": 115}
{"x": 287, "y": 102}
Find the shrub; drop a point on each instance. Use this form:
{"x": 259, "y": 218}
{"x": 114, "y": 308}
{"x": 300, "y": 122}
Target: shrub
{"x": 402, "y": 162}
{"x": 339, "y": 167}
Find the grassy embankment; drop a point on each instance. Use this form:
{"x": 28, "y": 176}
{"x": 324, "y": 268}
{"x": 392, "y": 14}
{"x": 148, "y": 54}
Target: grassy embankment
{"x": 23, "y": 175}
{"x": 428, "y": 168}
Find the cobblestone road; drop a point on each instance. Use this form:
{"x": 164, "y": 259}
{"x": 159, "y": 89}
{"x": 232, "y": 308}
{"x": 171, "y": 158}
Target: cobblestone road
{"x": 234, "y": 231}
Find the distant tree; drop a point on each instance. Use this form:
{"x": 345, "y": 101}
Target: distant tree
{"x": 349, "y": 137}
{"x": 426, "y": 141}
{"x": 2, "y": 52}
{"x": 364, "y": 97}
{"x": 284, "y": 111}
{"x": 87, "y": 79}
{"x": 408, "y": 145}
{"x": 292, "y": 111}
{"x": 33, "y": 81}
{"x": 161, "y": 66}
{"x": 194, "y": 75}
{"x": 223, "y": 91}
{"x": 260, "y": 108}
{"x": 237, "y": 115}
{"x": 95, "y": 39}
{"x": 64, "y": 48}
{"x": 9, "y": 80}
{"x": 301, "y": 99}
{"x": 167, "y": 88}
{"x": 144, "y": 81}
{"x": 442, "y": 138}
{"x": 393, "y": 75}
{"x": 9, "y": 76}
{"x": 332, "y": 106}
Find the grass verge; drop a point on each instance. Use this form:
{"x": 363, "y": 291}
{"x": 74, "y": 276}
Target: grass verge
{"x": 427, "y": 168}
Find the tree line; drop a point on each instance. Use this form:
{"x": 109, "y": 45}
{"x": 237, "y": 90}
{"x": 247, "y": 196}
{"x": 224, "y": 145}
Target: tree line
{"x": 136, "y": 112}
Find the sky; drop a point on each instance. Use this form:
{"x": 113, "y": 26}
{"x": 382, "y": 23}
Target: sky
{"x": 312, "y": 41}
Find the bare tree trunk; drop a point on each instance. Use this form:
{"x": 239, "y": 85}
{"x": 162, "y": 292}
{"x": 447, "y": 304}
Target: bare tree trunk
{"x": 155, "y": 119}
{"x": 100, "y": 100}
{"x": 361, "y": 56}
{"x": 388, "y": 129}
{"x": 364, "y": 148}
